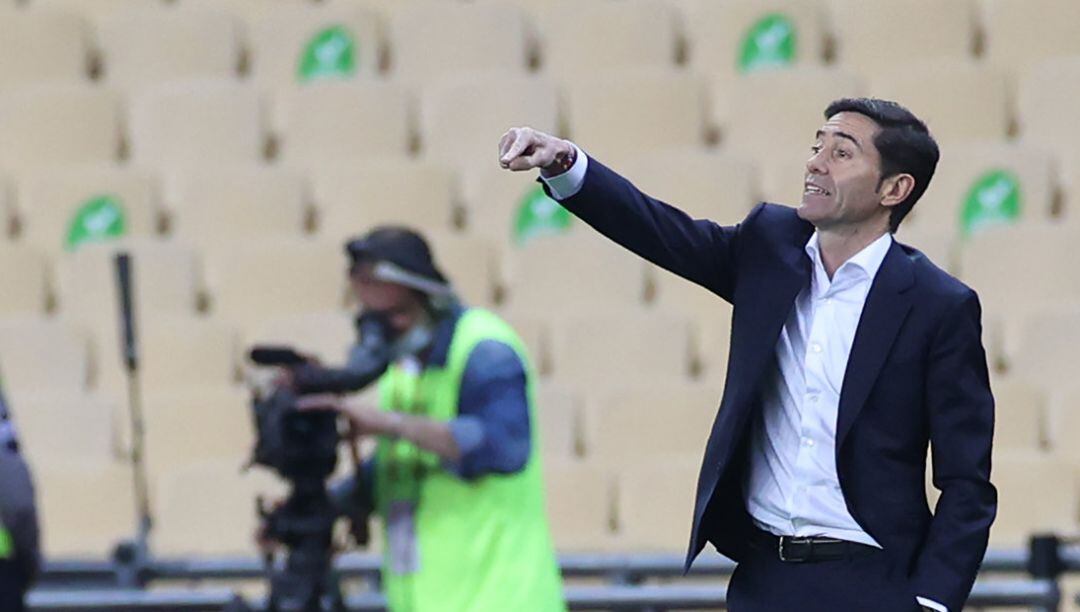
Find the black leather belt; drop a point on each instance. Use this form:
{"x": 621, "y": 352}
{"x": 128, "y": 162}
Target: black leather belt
{"x": 792, "y": 549}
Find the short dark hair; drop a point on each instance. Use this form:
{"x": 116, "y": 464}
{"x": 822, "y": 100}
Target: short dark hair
{"x": 904, "y": 142}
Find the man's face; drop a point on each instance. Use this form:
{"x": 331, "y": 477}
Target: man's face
{"x": 842, "y": 174}
{"x": 400, "y": 305}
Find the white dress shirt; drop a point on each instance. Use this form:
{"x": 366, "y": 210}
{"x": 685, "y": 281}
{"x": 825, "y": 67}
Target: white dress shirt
{"x": 792, "y": 484}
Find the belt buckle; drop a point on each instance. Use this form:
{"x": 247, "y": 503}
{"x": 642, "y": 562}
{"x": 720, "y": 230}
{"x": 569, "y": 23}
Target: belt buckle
{"x": 795, "y": 540}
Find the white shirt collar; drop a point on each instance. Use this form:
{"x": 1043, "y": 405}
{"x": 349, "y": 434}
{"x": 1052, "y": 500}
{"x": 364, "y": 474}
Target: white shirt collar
{"x": 869, "y": 259}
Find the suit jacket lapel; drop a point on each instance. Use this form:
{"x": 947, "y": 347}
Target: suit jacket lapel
{"x": 887, "y": 305}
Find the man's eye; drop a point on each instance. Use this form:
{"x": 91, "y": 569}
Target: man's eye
{"x": 842, "y": 153}
{"x": 815, "y": 148}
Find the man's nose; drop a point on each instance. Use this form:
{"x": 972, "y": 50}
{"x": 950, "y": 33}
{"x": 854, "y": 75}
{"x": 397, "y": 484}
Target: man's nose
{"x": 815, "y": 164}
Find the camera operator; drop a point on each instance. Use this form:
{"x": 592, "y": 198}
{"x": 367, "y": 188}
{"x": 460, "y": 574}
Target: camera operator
{"x": 20, "y": 557}
{"x": 455, "y": 474}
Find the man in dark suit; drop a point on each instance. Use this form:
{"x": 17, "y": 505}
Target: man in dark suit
{"x": 850, "y": 355}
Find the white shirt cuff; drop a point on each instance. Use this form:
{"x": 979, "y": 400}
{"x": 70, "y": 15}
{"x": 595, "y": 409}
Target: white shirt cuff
{"x": 930, "y": 603}
{"x": 568, "y": 183}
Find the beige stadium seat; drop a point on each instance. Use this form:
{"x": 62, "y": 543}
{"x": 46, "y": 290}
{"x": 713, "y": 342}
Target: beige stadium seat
{"x": 209, "y": 508}
{"x": 1044, "y": 351}
{"x": 258, "y": 279}
{"x": 1047, "y": 95}
{"x": 973, "y": 171}
{"x": 871, "y": 36}
{"x": 1020, "y": 415}
{"x": 42, "y": 354}
{"x": 327, "y": 335}
{"x": 68, "y": 426}
{"x": 944, "y": 94}
{"x": 42, "y": 45}
{"x": 619, "y": 344}
{"x": 580, "y": 40}
{"x": 579, "y": 505}
{"x": 96, "y": 10}
{"x": 244, "y": 9}
{"x": 558, "y": 414}
{"x": 1063, "y": 421}
{"x": 430, "y": 39}
{"x": 999, "y": 264}
{"x": 783, "y": 172}
{"x": 50, "y": 201}
{"x": 492, "y": 198}
{"x": 1020, "y": 34}
{"x": 461, "y": 119}
{"x": 470, "y": 263}
{"x": 654, "y": 504}
{"x": 711, "y": 319}
{"x": 311, "y": 42}
{"x": 705, "y": 185}
{"x": 185, "y": 351}
{"x": 58, "y": 124}
{"x": 777, "y": 113}
{"x": 219, "y": 417}
{"x": 353, "y": 197}
{"x": 200, "y": 122}
{"x": 23, "y": 271}
{"x": 85, "y": 508}
{"x": 617, "y": 115}
{"x": 727, "y": 39}
{"x": 211, "y": 207}
{"x": 628, "y": 422}
{"x": 939, "y": 243}
{"x": 328, "y": 122}
{"x": 145, "y": 47}
{"x": 533, "y": 331}
{"x": 578, "y": 272}
{"x": 1036, "y": 493}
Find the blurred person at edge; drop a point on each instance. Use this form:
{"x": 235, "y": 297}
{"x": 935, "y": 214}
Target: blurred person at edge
{"x": 850, "y": 355}
{"x": 20, "y": 556}
{"x": 455, "y": 475}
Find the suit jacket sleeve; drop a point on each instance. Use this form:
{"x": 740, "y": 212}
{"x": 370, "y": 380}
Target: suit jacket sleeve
{"x": 961, "y": 417}
{"x": 698, "y": 250}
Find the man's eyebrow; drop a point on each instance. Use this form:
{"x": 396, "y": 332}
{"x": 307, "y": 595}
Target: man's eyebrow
{"x": 840, "y": 134}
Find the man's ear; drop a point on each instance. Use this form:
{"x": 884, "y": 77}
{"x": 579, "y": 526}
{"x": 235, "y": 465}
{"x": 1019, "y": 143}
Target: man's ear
{"x": 896, "y": 189}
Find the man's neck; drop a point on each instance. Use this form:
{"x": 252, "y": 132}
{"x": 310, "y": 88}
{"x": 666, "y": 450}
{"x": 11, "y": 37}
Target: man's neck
{"x": 837, "y": 245}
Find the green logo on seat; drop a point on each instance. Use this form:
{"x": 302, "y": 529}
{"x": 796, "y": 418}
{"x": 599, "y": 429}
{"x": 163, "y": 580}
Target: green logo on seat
{"x": 538, "y": 215}
{"x": 100, "y": 218}
{"x": 769, "y": 43}
{"x": 330, "y": 54}
{"x": 994, "y": 199}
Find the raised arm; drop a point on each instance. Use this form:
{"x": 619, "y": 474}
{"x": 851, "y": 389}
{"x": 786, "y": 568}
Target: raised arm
{"x": 698, "y": 250}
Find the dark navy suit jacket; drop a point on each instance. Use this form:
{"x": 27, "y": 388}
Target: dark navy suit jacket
{"x": 916, "y": 376}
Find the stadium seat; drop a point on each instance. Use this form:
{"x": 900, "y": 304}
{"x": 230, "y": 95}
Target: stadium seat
{"x": 577, "y": 272}
{"x": 492, "y": 198}
{"x": 872, "y": 36}
{"x": 783, "y": 171}
{"x": 1020, "y": 34}
{"x": 430, "y": 39}
{"x": 1020, "y": 414}
{"x": 96, "y": 10}
{"x": 23, "y": 271}
{"x": 976, "y": 184}
{"x": 558, "y": 414}
{"x": 67, "y": 425}
{"x": 218, "y": 416}
{"x": 462, "y": 118}
{"x": 579, "y": 505}
{"x": 42, "y": 354}
{"x": 1036, "y": 493}
{"x": 654, "y": 505}
{"x": 182, "y": 350}
{"x": 939, "y": 243}
{"x": 710, "y": 319}
{"x": 308, "y": 42}
{"x": 85, "y": 508}
{"x": 945, "y": 93}
{"x": 42, "y": 45}
{"x": 735, "y": 37}
{"x": 533, "y": 331}
{"x": 353, "y": 197}
{"x": 470, "y": 263}
{"x": 581, "y": 40}
{"x": 258, "y": 279}
{"x": 327, "y": 122}
{"x": 61, "y": 206}
{"x": 244, "y": 9}
{"x": 620, "y": 343}
{"x": 211, "y": 207}
{"x": 705, "y": 185}
{"x": 1062, "y": 423}
{"x": 145, "y": 47}
{"x": 326, "y": 334}
{"x": 779, "y": 111}
{"x": 628, "y": 422}
{"x": 1044, "y": 350}
{"x": 203, "y": 122}
{"x": 58, "y": 124}
{"x": 617, "y": 115}
{"x": 1047, "y": 94}
{"x": 208, "y": 508}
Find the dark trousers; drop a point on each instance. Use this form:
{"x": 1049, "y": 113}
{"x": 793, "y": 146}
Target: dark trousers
{"x": 12, "y": 585}
{"x": 866, "y": 583}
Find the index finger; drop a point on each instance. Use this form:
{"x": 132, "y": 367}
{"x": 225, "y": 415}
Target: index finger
{"x": 521, "y": 142}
